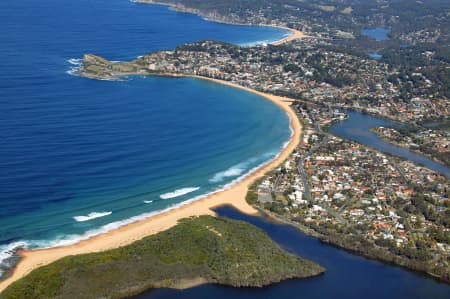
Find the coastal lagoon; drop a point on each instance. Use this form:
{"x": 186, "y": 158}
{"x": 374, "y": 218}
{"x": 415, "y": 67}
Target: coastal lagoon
{"x": 79, "y": 157}
{"x": 379, "y": 34}
{"x": 347, "y": 275}
{"x": 357, "y": 127}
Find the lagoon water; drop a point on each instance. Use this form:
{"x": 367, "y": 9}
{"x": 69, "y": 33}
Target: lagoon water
{"x": 80, "y": 156}
{"x": 379, "y": 34}
{"x": 347, "y": 275}
{"x": 357, "y": 127}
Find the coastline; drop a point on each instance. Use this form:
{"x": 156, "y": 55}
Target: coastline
{"x": 295, "y": 34}
{"x": 234, "y": 195}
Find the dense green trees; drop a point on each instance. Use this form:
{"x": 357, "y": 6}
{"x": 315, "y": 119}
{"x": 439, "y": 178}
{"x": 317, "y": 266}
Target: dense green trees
{"x": 218, "y": 250}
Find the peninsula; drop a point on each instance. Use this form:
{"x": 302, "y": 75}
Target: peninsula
{"x": 197, "y": 250}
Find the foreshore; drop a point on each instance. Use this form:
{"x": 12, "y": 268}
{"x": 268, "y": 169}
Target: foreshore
{"x": 234, "y": 195}
{"x": 295, "y": 34}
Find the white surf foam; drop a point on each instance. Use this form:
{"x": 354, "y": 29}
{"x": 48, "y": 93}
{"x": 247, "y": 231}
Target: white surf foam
{"x": 178, "y": 193}
{"x": 230, "y": 172}
{"x": 7, "y": 251}
{"x": 76, "y": 63}
{"x": 66, "y": 240}
{"x": 76, "y": 238}
{"x": 256, "y": 43}
{"x": 148, "y": 201}
{"x": 91, "y": 216}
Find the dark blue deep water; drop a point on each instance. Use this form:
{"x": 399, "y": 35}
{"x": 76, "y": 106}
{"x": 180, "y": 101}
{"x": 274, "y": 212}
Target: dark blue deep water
{"x": 80, "y": 156}
{"x": 348, "y": 276}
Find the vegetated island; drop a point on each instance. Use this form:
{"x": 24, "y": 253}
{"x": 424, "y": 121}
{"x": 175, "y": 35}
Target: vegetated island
{"x": 197, "y": 250}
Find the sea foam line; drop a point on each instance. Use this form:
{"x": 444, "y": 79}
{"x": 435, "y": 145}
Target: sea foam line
{"x": 178, "y": 193}
{"x": 91, "y": 216}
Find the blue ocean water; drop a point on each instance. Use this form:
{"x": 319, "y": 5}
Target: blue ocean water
{"x": 80, "y": 156}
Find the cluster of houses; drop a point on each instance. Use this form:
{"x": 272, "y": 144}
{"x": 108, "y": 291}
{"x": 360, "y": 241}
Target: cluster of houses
{"x": 307, "y": 70}
{"x": 427, "y": 142}
{"x": 352, "y": 185}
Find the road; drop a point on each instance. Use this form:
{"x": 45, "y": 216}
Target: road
{"x": 301, "y": 169}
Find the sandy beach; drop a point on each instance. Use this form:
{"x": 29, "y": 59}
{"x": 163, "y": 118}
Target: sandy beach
{"x": 235, "y": 196}
{"x": 295, "y": 34}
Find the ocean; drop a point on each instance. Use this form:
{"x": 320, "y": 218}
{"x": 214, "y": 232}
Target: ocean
{"x": 79, "y": 157}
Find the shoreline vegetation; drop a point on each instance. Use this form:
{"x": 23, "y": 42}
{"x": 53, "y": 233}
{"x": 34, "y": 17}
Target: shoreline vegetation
{"x": 196, "y": 251}
{"x": 235, "y": 195}
{"x": 395, "y": 139}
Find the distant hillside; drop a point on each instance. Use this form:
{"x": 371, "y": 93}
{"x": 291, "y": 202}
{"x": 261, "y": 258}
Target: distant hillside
{"x": 402, "y": 16}
{"x": 197, "y": 250}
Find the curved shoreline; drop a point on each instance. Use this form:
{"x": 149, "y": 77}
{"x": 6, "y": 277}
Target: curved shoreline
{"x": 234, "y": 195}
{"x": 295, "y": 34}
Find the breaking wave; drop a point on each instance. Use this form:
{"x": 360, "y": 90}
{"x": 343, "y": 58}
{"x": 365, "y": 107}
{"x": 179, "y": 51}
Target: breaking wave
{"x": 7, "y": 252}
{"x": 233, "y": 171}
{"x": 91, "y": 216}
{"x": 76, "y": 64}
{"x": 178, "y": 192}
